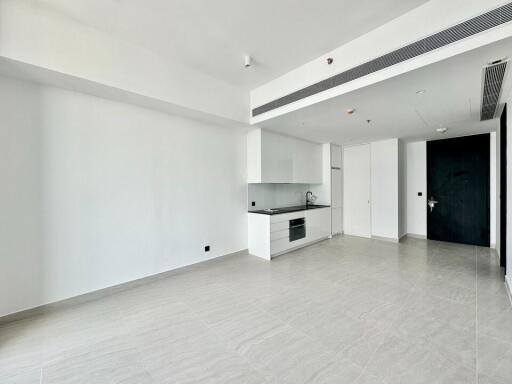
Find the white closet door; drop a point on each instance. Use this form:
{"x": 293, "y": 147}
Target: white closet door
{"x": 356, "y": 197}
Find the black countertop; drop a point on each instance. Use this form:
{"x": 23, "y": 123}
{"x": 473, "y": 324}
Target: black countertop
{"x": 279, "y": 211}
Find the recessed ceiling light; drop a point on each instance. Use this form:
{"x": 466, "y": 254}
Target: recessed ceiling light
{"x": 350, "y": 111}
{"x": 441, "y": 130}
{"x": 421, "y": 92}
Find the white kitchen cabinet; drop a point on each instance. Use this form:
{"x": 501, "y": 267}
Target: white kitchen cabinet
{"x": 337, "y": 220}
{"x": 318, "y": 223}
{"x": 274, "y": 158}
{"x": 269, "y": 234}
{"x": 335, "y": 156}
{"x": 336, "y": 188}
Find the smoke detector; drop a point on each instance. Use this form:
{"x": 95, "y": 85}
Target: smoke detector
{"x": 441, "y": 130}
{"x": 351, "y": 111}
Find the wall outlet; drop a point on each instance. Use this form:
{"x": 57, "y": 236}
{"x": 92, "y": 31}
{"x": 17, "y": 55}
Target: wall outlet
{"x": 253, "y": 203}
{"x": 207, "y": 248}
{"x": 420, "y": 193}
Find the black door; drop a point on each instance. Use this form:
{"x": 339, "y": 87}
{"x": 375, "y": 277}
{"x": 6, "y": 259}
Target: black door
{"x": 458, "y": 190}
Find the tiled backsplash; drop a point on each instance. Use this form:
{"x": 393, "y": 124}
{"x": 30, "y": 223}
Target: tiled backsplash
{"x": 276, "y": 195}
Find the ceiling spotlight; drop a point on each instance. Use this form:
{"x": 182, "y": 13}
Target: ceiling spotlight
{"x": 247, "y": 61}
{"x": 421, "y": 92}
{"x": 351, "y": 111}
{"x": 441, "y": 130}
{"x": 330, "y": 60}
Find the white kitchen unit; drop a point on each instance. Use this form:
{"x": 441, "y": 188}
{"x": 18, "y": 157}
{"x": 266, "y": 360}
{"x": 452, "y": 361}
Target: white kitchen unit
{"x": 269, "y": 235}
{"x": 336, "y": 190}
{"x": 336, "y": 156}
{"x": 330, "y": 192}
{"x": 274, "y": 158}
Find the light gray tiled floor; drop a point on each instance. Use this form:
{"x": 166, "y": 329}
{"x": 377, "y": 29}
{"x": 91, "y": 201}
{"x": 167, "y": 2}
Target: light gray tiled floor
{"x": 346, "y": 310}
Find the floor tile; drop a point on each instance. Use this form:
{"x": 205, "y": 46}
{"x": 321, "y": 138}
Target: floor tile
{"x": 346, "y": 310}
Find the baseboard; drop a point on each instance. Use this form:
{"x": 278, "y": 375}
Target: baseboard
{"x": 416, "y": 236}
{"x": 357, "y": 236}
{"x": 508, "y": 286}
{"x": 388, "y": 239}
{"x": 104, "y": 292}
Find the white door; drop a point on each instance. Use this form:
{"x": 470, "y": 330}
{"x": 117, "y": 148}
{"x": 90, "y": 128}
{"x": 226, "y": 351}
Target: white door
{"x": 356, "y": 193}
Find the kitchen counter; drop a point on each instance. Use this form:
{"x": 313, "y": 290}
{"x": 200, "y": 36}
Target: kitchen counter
{"x": 274, "y": 233}
{"x": 279, "y": 211}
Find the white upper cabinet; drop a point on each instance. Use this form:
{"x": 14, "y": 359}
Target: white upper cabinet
{"x": 335, "y": 156}
{"x": 274, "y": 158}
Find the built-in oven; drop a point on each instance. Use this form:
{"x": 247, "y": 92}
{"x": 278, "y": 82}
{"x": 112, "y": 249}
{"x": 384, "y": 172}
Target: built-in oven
{"x": 297, "y": 229}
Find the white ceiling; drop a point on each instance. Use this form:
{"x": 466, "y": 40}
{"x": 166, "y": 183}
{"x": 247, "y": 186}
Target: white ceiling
{"x": 452, "y": 100}
{"x": 212, "y": 36}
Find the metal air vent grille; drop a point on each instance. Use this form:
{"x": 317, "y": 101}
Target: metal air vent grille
{"x": 453, "y": 34}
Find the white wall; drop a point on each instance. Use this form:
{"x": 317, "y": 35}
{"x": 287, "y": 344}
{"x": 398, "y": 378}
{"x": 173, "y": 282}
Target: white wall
{"x": 384, "y": 189}
{"x": 416, "y": 181}
{"x": 95, "y": 193}
{"x": 276, "y": 195}
{"x": 30, "y": 32}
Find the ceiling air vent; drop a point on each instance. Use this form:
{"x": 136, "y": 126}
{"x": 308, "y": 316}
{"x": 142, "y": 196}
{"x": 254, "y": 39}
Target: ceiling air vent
{"x": 493, "y": 76}
{"x": 478, "y": 24}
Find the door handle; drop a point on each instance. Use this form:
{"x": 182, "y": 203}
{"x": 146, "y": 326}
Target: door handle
{"x": 431, "y": 203}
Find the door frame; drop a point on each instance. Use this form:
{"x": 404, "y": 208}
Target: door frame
{"x": 503, "y": 189}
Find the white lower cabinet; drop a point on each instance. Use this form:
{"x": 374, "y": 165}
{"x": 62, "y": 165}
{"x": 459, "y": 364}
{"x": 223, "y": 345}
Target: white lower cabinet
{"x": 337, "y": 221}
{"x": 269, "y": 235}
{"x": 318, "y": 224}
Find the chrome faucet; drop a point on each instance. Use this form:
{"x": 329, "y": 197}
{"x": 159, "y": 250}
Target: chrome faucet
{"x": 309, "y": 195}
